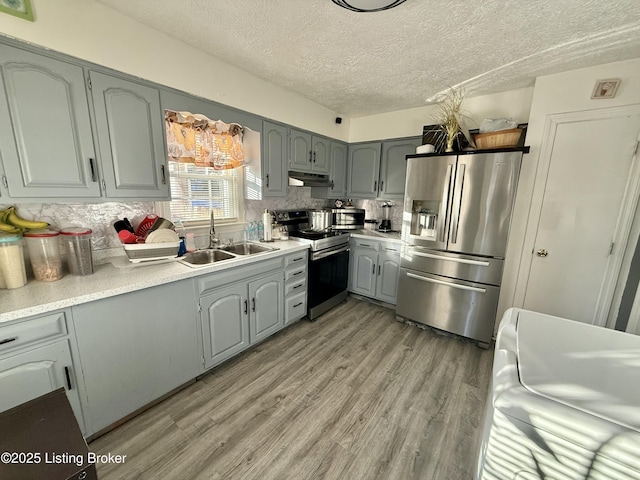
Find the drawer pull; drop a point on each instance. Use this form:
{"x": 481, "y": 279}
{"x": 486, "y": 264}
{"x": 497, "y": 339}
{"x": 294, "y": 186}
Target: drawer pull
{"x": 297, "y": 259}
{"x": 246, "y": 307}
{"x": 364, "y": 245}
{"x": 447, "y": 284}
{"x": 391, "y": 249}
{"x": 298, "y": 286}
{"x": 297, "y": 305}
{"x": 452, "y": 259}
{"x": 298, "y": 273}
{"x": 8, "y": 340}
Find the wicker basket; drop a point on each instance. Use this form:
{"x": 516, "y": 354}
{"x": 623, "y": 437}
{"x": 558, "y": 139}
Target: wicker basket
{"x": 144, "y": 252}
{"x": 499, "y": 139}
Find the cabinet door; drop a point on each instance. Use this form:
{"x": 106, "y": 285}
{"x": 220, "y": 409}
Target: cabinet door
{"x": 364, "y": 166}
{"x": 35, "y": 372}
{"x": 393, "y": 166}
{"x": 130, "y": 132}
{"x": 225, "y": 324}
{"x": 387, "y": 281}
{"x": 45, "y": 131}
{"x": 135, "y": 348}
{"x": 274, "y": 160}
{"x": 300, "y": 152}
{"x": 266, "y": 297}
{"x": 363, "y": 272}
{"x": 321, "y": 155}
{"x": 338, "y": 170}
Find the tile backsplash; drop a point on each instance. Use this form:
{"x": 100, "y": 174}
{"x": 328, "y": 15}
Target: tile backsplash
{"x": 374, "y": 211}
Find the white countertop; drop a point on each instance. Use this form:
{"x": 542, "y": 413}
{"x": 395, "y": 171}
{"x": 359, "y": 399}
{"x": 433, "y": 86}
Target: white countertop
{"x": 113, "y": 278}
{"x": 388, "y": 236}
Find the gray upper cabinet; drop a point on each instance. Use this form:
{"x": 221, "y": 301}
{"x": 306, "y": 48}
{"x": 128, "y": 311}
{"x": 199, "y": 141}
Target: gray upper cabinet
{"x": 130, "y": 136}
{"x": 301, "y": 152}
{"x": 45, "y": 132}
{"x": 393, "y": 166}
{"x": 363, "y": 169}
{"x": 337, "y": 173}
{"x": 309, "y": 153}
{"x": 274, "y": 160}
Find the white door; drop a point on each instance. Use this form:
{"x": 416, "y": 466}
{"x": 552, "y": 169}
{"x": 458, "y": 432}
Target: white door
{"x": 589, "y": 191}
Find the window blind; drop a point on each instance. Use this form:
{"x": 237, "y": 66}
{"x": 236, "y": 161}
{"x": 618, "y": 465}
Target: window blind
{"x": 196, "y": 190}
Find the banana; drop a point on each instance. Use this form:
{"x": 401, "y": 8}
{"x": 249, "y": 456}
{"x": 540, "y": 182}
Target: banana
{"x": 3, "y": 215}
{"x": 9, "y": 228}
{"x": 16, "y": 221}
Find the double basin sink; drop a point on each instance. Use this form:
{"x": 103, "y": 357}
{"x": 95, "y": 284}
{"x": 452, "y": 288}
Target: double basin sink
{"x": 227, "y": 252}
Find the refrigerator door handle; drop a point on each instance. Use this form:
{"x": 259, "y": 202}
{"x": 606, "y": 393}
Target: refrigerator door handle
{"x": 466, "y": 261}
{"x": 448, "y": 284}
{"x": 455, "y": 210}
{"x": 445, "y": 202}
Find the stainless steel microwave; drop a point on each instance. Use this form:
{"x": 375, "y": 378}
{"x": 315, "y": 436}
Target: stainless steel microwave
{"x": 347, "y": 218}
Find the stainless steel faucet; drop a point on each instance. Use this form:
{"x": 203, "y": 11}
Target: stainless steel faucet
{"x": 213, "y": 239}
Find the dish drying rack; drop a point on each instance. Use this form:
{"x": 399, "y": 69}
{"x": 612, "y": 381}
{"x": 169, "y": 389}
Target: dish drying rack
{"x": 149, "y": 252}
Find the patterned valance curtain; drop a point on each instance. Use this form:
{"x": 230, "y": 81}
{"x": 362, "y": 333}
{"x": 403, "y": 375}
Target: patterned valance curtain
{"x": 204, "y": 142}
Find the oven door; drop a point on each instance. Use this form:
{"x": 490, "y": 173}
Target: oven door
{"x": 328, "y": 274}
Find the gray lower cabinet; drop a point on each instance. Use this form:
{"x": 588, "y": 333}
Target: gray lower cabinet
{"x": 275, "y": 152}
{"x": 129, "y": 129}
{"x": 134, "y": 348}
{"x": 374, "y": 269}
{"x": 266, "y": 297}
{"x": 225, "y": 323}
{"x": 35, "y": 358}
{"x": 239, "y": 308}
{"x": 45, "y": 130}
{"x": 295, "y": 287}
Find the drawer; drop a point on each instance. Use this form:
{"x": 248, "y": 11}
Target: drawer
{"x": 295, "y": 307}
{"x": 295, "y": 274}
{"x": 298, "y": 258}
{"x": 365, "y": 243}
{"x": 390, "y": 247}
{"x": 32, "y": 330}
{"x": 296, "y": 287}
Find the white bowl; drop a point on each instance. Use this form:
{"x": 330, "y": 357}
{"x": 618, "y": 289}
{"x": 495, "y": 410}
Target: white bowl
{"x": 428, "y": 148}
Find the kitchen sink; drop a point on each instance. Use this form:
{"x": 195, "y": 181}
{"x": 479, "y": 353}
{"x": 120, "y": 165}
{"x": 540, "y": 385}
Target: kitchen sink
{"x": 247, "y": 248}
{"x": 206, "y": 257}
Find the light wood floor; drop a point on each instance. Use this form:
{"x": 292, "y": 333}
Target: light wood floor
{"x": 354, "y": 395}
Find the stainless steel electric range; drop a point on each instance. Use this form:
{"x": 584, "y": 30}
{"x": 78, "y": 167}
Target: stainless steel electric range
{"x": 328, "y": 261}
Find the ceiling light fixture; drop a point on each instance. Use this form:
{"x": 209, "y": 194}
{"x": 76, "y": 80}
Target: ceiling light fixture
{"x": 368, "y": 5}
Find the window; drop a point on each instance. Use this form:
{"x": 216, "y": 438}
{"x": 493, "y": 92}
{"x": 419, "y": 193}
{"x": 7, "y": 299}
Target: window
{"x": 196, "y": 190}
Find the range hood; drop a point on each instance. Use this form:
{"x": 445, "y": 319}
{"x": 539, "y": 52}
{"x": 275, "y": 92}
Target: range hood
{"x": 300, "y": 179}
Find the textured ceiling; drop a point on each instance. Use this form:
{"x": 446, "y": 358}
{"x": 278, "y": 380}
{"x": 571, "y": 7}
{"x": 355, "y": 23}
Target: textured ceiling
{"x": 366, "y": 63}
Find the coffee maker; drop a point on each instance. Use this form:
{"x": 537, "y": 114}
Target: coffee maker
{"x": 385, "y": 224}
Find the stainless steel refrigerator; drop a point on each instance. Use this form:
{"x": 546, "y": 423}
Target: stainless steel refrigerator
{"x": 457, "y": 212}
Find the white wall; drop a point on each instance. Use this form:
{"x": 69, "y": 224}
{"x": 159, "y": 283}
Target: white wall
{"x": 559, "y": 93}
{"x": 513, "y": 104}
{"x": 91, "y": 31}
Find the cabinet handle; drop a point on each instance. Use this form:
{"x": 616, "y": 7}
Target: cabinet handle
{"x": 164, "y": 175}
{"x": 298, "y": 273}
{"x": 267, "y": 180}
{"x": 310, "y": 156}
{"x": 298, "y": 286}
{"x": 332, "y": 184}
{"x": 374, "y": 269}
{"x": 297, "y": 305}
{"x": 253, "y": 304}
{"x": 364, "y": 245}
{"x": 67, "y": 375}
{"x": 246, "y": 307}
{"x": 381, "y": 184}
{"x": 8, "y": 340}
{"x": 94, "y": 177}
{"x": 391, "y": 249}
{"x": 314, "y": 157}
{"x": 297, "y": 259}
{"x": 378, "y": 270}
{"x": 375, "y": 186}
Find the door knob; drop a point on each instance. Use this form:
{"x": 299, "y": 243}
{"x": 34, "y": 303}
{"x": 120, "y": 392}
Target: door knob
{"x": 542, "y": 252}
